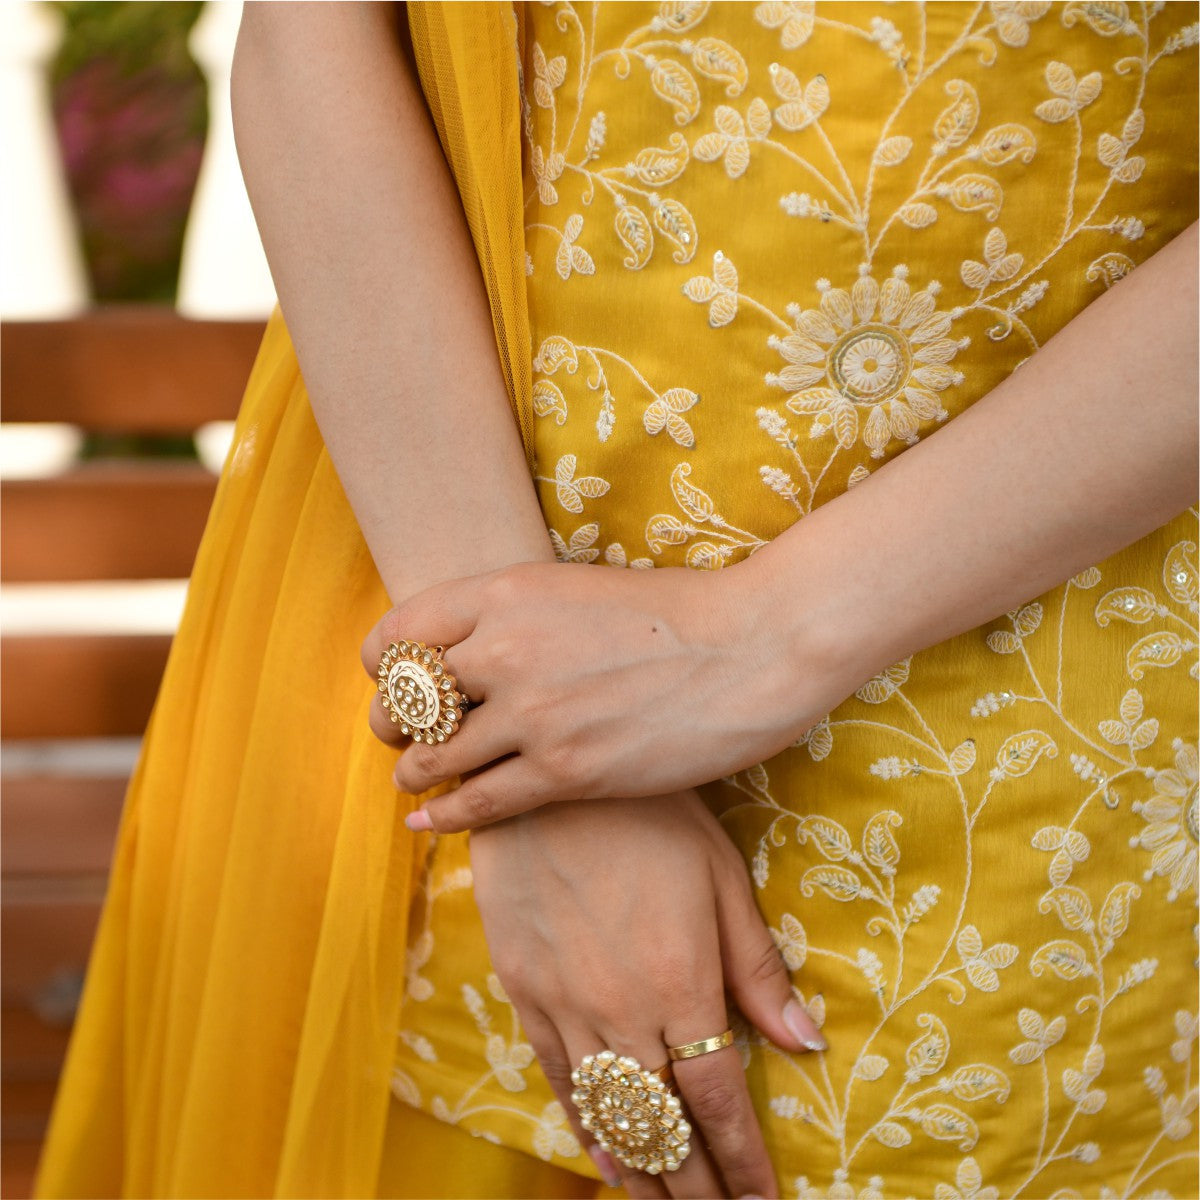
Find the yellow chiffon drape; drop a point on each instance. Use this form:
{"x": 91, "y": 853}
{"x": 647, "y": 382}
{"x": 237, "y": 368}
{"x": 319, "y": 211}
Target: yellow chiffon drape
{"x": 238, "y": 1027}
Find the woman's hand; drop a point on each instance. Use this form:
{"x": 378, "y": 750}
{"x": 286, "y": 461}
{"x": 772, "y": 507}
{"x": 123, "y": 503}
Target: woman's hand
{"x": 620, "y": 925}
{"x": 594, "y": 683}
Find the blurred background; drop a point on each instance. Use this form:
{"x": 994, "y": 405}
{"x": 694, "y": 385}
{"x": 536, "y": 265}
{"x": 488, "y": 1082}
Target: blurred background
{"x": 133, "y": 294}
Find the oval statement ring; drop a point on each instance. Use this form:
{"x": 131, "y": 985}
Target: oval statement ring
{"x": 419, "y": 694}
{"x": 631, "y": 1113}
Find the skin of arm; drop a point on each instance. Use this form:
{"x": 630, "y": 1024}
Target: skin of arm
{"x": 386, "y": 307}
{"x": 1088, "y": 446}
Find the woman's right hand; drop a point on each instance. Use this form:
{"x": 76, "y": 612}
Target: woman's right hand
{"x": 621, "y": 925}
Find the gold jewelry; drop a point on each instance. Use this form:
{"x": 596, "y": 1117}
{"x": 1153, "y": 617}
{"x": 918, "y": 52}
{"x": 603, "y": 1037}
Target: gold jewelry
{"x": 704, "y": 1046}
{"x": 420, "y": 695}
{"x": 632, "y": 1113}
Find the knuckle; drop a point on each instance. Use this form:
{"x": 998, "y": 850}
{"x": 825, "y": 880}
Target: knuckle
{"x": 504, "y": 588}
{"x": 715, "y": 1102}
{"x": 556, "y": 1069}
{"x": 478, "y": 804}
{"x": 420, "y": 761}
{"x": 766, "y": 964}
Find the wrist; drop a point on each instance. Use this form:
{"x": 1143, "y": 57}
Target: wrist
{"x": 814, "y": 615}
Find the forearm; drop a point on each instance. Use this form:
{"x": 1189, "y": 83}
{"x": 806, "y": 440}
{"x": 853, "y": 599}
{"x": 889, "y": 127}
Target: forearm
{"x": 1089, "y": 446}
{"x": 382, "y": 293}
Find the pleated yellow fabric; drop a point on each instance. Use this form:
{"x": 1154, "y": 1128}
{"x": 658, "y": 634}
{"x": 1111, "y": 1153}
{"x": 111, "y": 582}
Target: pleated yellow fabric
{"x": 238, "y": 1026}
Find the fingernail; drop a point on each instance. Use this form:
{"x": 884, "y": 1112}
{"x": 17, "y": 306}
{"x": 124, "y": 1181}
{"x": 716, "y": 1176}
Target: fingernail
{"x": 802, "y": 1026}
{"x": 418, "y": 821}
{"x": 606, "y": 1165}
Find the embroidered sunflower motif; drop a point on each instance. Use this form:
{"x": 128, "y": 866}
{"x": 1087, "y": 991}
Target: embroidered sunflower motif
{"x": 1171, "y": 822}
{"x": 871, "y": 360}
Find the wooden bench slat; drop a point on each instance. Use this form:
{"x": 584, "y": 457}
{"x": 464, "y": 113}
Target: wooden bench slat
{"x": 135, "y": 368}
{"x": 48, "y": 938}
{"x": 59, "y": 825}
{"x": 68, "y": 687}
{"x": 105, "y": 521}
{"x": 32, "y": 1048}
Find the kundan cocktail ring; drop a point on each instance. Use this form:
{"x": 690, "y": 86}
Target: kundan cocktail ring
{"x": 632, "y": 1113}
{"x": 419, "y": 694}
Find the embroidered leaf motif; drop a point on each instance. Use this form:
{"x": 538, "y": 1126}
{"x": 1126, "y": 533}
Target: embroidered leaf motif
{"x": 948, "y": 1124}
{"x": 1116, "y": 733}
{"x": 1114, "y": 913}
{"x": 918, "y": 214}
{"x": 837, "y": 882}
{"x": 957, "y": 122}
{"x": 720, "y": 61}
{"x": 1088, "y": 578}
{"x": 891, "y": 1134}
{"x": 556, "y": 352}
{"x": 678, "y": 15}
{"x": 792, "y": 941}
{"x": 973, "y": 193}
{"x": 655, "y": 166}
{"x": 1110, "y": 150}
{"x": 1028, "y": 619}
{"x": 927, "y": 1054}
{"x": 633, "y": 228}
{"x": 1005, "y": 142}
{"x": 1144, "y": 734}
{"x": 1179, "y": 574}
{"x": 675, "y": 223}
{"x": 1109, "y": 268}
{"x": 663, "y": 413}
{"x": 1133, "y": 604}
{"x": 1067, "y": 959}
{"x": 1071, "y": 904}
{"x": 675, "y": 84}
{"x": 870, "y": 1067}
{"x": 1002, "y": 641}
{"x": 977, "y": 1081}
{"x": 704, "y": 556}
{"x": 694, "y": 501}
{"x": 893, "y": 150}
{"x": 1020, "y": 752}
{"x": 1131, "y": 706}
{"x": 1154, "y": 650}
{"x": 795, "y": 18}
{"x": 885, "y": 685}
{"x": 879, "y": 846}
{"x": 665, "y": 530}
{"x": 1130, "y": 171}
{"x": 962, "y": 757}
{"x": 1106, "y": 17}
{"x": 1049, "y": 837}
{"x": 829, "y": 837}
{"x": 548, "y": 401}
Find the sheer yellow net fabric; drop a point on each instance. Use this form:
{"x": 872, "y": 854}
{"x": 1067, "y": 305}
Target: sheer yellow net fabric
{"x": 237, "y": 1031}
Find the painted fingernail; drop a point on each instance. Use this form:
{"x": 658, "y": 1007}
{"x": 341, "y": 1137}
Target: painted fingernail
{"x": 418, "y": 821}
{"x": 606, "y": 1165}
{"x": 802, "y": 1026}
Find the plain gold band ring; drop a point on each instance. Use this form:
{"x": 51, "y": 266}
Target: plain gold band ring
{"x": 705, "y": 1046}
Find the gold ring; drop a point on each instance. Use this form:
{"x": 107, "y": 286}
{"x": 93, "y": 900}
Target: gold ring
{"x": 419, "y": 694}
{"x": 705, "y": 1046}
{"x": 632, "y": 1113}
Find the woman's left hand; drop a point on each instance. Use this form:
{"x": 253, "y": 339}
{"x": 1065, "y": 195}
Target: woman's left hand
{"x": 588, "y": 683}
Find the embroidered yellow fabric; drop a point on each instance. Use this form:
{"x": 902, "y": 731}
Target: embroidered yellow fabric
{"x": 768, "y": 246}
{"x": 738, "y": 255}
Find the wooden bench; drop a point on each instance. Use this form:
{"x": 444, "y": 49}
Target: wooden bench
{"x": 129, "y": 370}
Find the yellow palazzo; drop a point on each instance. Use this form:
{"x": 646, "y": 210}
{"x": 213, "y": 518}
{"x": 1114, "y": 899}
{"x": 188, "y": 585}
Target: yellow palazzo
{"x": 739, "y": 255}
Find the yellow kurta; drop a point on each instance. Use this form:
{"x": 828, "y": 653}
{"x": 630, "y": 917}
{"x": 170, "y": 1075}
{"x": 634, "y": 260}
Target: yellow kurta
{"x": 739, "y": 255}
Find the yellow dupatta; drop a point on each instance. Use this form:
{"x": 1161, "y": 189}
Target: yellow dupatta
{"x": 237, "y": 1030}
